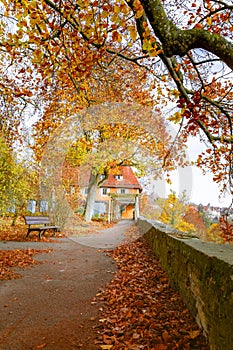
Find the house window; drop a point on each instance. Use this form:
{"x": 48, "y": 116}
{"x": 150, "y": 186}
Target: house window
{"x": 85, "y": 191}
{"x": 122, "y": 190}
{"x": 104, "y": 191}
{"x": 118, "y": 177}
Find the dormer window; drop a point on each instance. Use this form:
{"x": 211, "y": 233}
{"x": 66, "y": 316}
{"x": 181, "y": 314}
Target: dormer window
{"x": 118, "y": 177}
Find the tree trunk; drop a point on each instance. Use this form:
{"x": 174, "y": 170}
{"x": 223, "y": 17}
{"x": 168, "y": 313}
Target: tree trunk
{"x": 90, "y": 201}
{"x": 15, "y": 216}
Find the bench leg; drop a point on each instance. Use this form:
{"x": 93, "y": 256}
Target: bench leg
{"x": 41, "y": 232}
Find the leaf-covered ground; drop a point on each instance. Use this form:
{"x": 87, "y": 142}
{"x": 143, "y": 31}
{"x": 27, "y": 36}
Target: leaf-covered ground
{"x": 141, "y": 310}
{"x": 10, "y": 259}
{"x": 18, "y": 258}
{"x": 18, "y": 232}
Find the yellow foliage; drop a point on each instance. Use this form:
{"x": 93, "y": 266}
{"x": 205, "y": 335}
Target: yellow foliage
{"x": 133, "y": 32}
{"x": 16, "y": 184}
{"x": 173, "y": 210}
{"x": 184, "y": 226}
{"x": 214, "y": 233}
{"x": 176, "y": 118}
{"x": 209, "y": 21}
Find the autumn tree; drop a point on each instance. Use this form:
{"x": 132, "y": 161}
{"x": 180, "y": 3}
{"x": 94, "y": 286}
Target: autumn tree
{"x": 109, "y": 130}
{"x": 119, "y": 83}
{"x": 173, "y": 211}
{"x": 105, "y": 125}
{"x": 18, "y": 88}
{"x": 98, "y": 147}
{"x": 214, "y": 233}
{"x": 186, "y": 47}
{"x": 192, "y": 216}
{"x": 221, "y": 232}
{"x": 108, "y": 146}
{"x": 18, "y": 184}
{"x": 226, "y": 228}
{"x": 5, "y": 175}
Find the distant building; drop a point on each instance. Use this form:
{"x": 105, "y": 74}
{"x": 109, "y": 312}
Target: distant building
{"x": 118, "y": 195}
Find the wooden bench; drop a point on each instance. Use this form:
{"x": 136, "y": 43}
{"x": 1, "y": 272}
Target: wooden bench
{"x": 40, "y": 224}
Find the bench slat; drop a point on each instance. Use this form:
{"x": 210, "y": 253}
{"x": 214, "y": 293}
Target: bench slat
{"x": 35, "y": 220}
{"x": 42, "y": 224}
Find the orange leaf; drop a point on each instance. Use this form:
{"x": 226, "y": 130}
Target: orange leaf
{"x": 161, "y": 347}
{"x": 194, "y": 334}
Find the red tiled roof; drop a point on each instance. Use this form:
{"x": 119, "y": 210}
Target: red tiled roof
{"x": 128, "y": 180}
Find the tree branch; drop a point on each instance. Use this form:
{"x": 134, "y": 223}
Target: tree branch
{"x": 179, "y": 42}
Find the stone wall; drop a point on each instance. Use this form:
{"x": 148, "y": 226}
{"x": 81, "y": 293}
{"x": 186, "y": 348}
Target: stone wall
{"x": 202, "y": 273}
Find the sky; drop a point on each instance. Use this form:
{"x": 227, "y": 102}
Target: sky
{"x": 199, "y": 188}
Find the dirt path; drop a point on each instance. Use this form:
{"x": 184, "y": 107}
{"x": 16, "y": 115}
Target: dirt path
{"x": 52, "y": 306}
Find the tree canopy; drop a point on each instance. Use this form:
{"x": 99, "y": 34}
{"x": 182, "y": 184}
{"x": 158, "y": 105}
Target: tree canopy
{"x": 184, "y": 48}
{"x": 110, "y": 146}
{"x": 173, "y": 212}
{"x": 109, "y": 136}
{"x": 18, "y": 184}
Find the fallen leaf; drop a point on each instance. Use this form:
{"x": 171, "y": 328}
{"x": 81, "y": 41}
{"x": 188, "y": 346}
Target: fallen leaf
{"x": 160, "y": 347}
{"x": 194, "y": 334}
{"x": 136, "y": 336}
